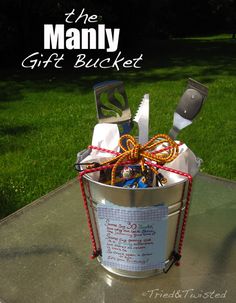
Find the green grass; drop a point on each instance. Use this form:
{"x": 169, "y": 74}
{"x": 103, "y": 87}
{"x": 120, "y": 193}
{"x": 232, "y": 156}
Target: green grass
{"x": 46, "y": 120}
{"x": 210, "y": 38}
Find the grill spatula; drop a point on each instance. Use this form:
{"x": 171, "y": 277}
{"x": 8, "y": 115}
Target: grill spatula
{"x": 189, "y": 106}
{"x": 112, "y": 104}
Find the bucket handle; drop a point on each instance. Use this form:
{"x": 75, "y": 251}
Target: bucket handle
{"x": 175, "y": 257}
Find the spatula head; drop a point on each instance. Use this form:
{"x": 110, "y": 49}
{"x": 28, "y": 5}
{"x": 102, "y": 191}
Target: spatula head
{"x": 190, "y": 104}
{"x": 112, "y": 102}
{"x": 192, "y": 100}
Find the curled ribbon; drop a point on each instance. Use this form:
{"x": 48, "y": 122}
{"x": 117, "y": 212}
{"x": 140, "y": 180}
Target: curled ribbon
{"x": 137, "y": 153}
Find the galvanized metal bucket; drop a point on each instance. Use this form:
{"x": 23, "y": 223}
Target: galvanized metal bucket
{"x": 173, "y": 195}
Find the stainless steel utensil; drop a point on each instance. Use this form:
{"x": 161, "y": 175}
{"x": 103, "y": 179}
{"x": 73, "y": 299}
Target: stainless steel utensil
{"x": 142, "y": 118}
{"x": 112, "y": 104}
{"x": 189, "y": 106}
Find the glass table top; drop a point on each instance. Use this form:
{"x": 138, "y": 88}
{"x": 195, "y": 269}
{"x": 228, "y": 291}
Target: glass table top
{"x": 45, "y": 249}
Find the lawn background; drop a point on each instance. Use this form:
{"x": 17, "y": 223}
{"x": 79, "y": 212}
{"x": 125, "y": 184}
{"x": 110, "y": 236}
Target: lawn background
{"x": 47, "y": 117}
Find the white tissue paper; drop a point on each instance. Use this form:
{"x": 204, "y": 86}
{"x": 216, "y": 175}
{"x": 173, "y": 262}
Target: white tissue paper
{"x": 186, "y": 162}
{"x": 105, "y": 135}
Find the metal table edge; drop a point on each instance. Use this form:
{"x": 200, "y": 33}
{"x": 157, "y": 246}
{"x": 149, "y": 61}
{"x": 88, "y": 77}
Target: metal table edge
{"x": 74, "y": 180}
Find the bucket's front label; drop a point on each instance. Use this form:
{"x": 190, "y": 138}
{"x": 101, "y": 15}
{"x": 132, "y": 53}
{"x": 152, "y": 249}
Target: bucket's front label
{"x": 133, "y": 239}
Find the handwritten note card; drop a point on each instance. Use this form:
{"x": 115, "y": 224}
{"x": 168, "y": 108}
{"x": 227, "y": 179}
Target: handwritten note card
{"x": 133, "y": 238}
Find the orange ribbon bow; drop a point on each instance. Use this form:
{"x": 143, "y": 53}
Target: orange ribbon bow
{"x": 137, "y": 153}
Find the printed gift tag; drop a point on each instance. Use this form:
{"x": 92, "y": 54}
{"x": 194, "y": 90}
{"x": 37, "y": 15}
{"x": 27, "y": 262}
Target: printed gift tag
{"x": 133, "y": 238}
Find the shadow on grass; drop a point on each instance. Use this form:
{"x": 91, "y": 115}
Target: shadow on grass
{"x": 16, "y": 130}
{"x": 13, "y": 131}
{"x": 6, "y": 208}
{"x": 9, "y": 199}
{"x": 10, "y": 91}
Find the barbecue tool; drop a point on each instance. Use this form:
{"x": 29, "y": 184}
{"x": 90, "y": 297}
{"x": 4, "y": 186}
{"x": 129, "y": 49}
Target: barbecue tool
{"x": 112, "y": 104}
{"x": 142, "y": 118}
{"x": 189, "y": 106}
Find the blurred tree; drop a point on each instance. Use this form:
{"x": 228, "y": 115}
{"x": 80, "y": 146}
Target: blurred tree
{"x": 225, "y": 11}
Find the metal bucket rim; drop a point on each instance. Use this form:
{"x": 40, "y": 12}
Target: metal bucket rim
{"x": 185, "y": 179}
